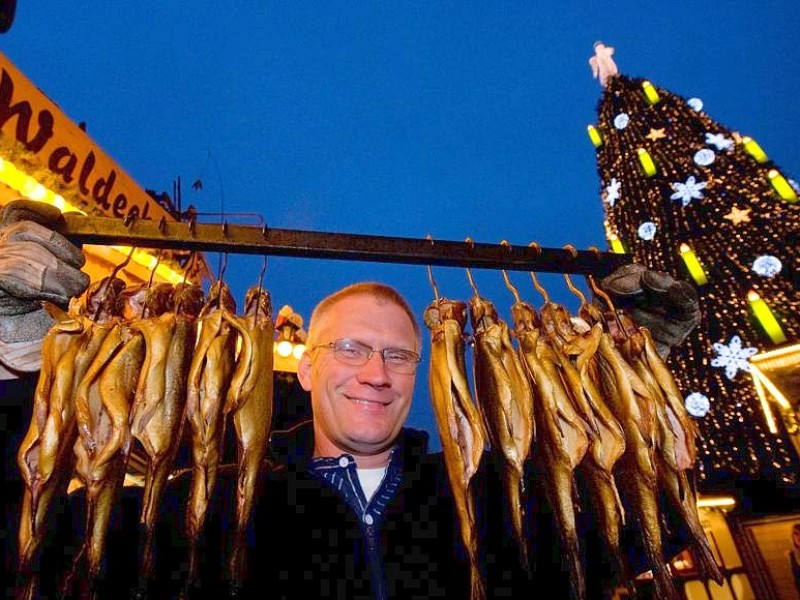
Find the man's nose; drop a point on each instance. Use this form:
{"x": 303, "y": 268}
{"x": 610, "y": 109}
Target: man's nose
{"x": 374, "y": 370}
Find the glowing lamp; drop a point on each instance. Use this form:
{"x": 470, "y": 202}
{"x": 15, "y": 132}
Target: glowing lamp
{"x": 648, "y": 166}
{"x": 284, "y": 348}
{"x": 616, "y": 244}
{"x": 782, "y": 186}
{"x": 594, "y": 135}
{"x": 716, "y": 502}
{"x": 693, "y": 265}
{"x": 765, "y": 317}
{"x": 298, "y": 351}
{"x": 754, "y": 150}
{"x": 650, "y": 92}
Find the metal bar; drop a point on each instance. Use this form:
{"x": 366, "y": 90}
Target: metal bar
{"x": 246, "y": 239}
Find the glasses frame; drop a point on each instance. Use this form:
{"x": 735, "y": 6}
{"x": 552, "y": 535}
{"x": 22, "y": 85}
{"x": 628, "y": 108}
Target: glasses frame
{"x": 413, "y": 362}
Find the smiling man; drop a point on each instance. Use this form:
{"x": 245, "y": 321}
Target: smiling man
{"x": 364, "y": 350}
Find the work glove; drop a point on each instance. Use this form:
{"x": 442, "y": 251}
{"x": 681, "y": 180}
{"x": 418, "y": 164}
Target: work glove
{"x": 667, "y": 307}
{"x": 36, "y": 264}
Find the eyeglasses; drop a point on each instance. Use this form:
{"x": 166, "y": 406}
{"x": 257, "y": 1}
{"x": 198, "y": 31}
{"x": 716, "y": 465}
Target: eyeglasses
{"x": 356, "y": 354}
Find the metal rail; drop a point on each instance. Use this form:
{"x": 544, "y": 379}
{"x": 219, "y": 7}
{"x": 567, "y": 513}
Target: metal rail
{"x": 248, "y": 239}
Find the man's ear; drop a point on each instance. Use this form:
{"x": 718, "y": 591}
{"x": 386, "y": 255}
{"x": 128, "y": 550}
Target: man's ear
{"x": 304, "y": 371}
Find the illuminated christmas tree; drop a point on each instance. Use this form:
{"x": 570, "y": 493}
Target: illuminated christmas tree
{"x": 689, "y": 196}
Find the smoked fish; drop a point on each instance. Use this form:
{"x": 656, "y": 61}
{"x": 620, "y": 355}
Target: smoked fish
{"x": 458, "y": 420}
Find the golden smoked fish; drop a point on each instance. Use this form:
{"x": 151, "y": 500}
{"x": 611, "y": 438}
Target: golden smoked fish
{"x": 575, "y": 345}
{"x": 250, "y": 401}
{"x": 506, "y": 405}
{"x": 458, "y": 420}
{"x": 672, "y": 453}
{"x": 562, "y": 437}
{"x": 158, "y": 413}
{"x": 209, "y": 378}
{"x": 45, "y": 457}
{"x": 635, "y": 471}
{"x": 103, "y": 399}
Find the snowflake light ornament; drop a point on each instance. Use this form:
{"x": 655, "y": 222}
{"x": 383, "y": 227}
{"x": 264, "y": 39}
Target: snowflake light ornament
{"x": 767, "y": 266}
{"x": 695, "y": 104}
{"x": 697, "y": 404}
{"x": 719, "y": 140}
{"x": 686, "y": 192}
{"x": 733, "y": 357}
{"x": 647, "y": 231}
{"x": 704, "y": 157}
{"x": 621, "y": 120}
{"x": 612, "y": 191}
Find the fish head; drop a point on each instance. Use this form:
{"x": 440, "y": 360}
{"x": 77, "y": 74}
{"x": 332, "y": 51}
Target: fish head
{"x": 258, "y": 303}
{"x": 158, "y": 299}
{"x": 188, "y": 299}
{"x": 454, "y": 310}
{"x": 219, "y": 297}
{"x": 525, "y": 317}
{"x": 482, "y": 313}
{"x": 104, "y": 299}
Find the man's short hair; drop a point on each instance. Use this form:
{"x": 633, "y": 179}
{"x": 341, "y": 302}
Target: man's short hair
{"x": 381, "y": 292}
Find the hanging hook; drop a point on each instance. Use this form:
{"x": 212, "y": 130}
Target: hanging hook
{"x": 538, "y": 287}
{"x": 430, "y": 274}
{"x": 223, "y": 264}
{"x": 509, "y": 285}
{"x": 568, "y": 279}
{"x": 260, "y": 288}
{"x": 102, "y": 291}
{"x": 469, "y": 272}
{"x": 155, "y": 266}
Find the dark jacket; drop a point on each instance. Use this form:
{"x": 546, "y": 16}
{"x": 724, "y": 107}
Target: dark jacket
{"x": 306, "y": 543}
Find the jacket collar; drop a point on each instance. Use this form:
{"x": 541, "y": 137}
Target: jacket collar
{"x": 294, "y": 447}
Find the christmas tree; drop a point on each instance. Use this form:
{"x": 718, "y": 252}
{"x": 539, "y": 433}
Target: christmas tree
{"x": 686, "y": 195}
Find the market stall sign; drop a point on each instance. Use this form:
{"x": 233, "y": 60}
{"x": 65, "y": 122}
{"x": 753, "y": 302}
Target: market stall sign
{"x": 38, "y": 134}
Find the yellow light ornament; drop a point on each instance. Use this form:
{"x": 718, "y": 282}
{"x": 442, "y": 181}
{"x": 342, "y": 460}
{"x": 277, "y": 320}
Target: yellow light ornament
{"x": 284, "y": 348}
{"x": 754, "y": 150}
{"x": 782, "y": 186}
{"x": 648, "y": 166}
{"x": 765, "y": 317}
{"x": 693, "y": 265}
{"x": 595, "y": 136}
{"x": 650, "y": 92}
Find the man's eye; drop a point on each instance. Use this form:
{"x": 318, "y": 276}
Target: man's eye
{"x": 397, "y": 357}
{"x": 349, "y": 351}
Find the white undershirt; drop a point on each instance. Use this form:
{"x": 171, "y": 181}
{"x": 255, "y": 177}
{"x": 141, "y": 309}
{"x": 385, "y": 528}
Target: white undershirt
{"x": 370, "y": 479}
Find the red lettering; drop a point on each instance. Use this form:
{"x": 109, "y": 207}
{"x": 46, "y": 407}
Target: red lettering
{"x": 120, "y": 202}
{"x": 24, "y": 112}
{"x": 102, "y": 189}
{"x": 86, "y": 170}
{"x": 63, "y": 162}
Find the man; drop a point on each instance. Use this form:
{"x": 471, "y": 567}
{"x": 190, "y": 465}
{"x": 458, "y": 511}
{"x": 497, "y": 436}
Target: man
{"x": 353, "y": 505}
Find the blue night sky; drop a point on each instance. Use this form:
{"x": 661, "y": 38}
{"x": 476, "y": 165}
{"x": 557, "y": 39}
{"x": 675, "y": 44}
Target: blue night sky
{"x": 449, "y": 119}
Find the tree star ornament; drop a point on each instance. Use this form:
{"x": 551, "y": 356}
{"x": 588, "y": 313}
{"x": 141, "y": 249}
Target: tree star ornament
{"x": 612, "y": 191}
{"x": 733, "y": 358}
{"x": 656, "y": 134}
{"x": 686, "y": 192}
{"x": 738, "y": 216}
{"x": 719, "y": 140}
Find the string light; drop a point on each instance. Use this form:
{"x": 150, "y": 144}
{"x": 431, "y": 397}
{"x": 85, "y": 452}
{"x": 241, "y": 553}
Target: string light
{"x": 738, "y": 441}
{"x": 28, "y": 187}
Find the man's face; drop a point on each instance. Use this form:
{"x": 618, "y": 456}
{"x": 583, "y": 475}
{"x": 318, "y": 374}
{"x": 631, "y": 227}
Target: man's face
{"x": 358, "y": 409}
